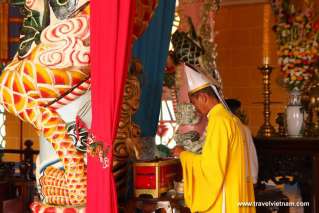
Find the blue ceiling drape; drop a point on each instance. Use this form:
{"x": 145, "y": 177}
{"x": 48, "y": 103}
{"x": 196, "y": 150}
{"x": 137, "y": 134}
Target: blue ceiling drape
{"x": 152, "y": 50}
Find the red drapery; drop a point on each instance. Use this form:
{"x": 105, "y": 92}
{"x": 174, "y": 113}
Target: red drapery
{"x": 111, "y": 36}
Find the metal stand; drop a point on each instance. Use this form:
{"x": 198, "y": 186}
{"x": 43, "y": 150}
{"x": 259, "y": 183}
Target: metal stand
{"x": 266, "y": 130}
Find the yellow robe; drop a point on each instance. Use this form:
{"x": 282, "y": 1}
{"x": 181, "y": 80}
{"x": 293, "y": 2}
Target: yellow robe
{"x": 220, "y": 171}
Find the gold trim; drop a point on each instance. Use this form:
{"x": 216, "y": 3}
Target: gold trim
{"x": 158, "y": 190}
{"x": 145, "y": 164}
{"x": 157, "y": 181}
{"x": 163, "y": 190}
{"x": 198, "y": 88}
{"x": 152, "y": 192}
{"x": 158, "y": 163}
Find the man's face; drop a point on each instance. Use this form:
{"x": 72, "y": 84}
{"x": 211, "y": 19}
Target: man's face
{"x": 199, "y": 102}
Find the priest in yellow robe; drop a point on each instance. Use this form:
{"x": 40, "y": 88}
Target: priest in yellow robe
{"x": 218, "y": 179}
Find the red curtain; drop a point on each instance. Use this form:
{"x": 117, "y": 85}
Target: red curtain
{"x": 111, "y": 35}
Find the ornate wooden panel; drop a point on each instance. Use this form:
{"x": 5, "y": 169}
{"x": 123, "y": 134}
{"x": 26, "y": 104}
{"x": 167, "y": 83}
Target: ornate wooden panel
{"x": 126, "y": 145}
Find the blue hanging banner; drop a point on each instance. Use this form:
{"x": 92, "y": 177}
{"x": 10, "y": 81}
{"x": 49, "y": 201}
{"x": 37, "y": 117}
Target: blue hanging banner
{"x": 152, "y": 50}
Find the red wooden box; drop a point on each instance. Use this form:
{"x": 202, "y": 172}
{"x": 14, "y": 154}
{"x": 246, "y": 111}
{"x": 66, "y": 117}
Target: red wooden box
{"x": 156, "y": 177}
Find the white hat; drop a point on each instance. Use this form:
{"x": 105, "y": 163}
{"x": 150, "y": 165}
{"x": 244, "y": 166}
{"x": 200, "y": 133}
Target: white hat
{"x": 198, "y": 80}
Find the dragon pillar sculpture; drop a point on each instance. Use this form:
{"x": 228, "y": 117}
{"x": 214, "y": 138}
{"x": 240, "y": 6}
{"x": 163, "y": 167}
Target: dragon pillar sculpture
{"x": 51, "y": 70}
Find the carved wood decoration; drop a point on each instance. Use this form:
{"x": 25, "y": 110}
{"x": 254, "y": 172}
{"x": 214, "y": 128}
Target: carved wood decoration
{"x": 126, "y": 145}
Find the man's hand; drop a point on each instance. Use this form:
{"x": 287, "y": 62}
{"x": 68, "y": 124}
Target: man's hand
{"x": 176, "y": 151}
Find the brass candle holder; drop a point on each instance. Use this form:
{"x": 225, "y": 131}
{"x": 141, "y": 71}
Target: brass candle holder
{"x": 266, "y": 130}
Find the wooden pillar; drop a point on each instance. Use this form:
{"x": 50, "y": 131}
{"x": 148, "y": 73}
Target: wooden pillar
{"x": 4, "y": 47}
